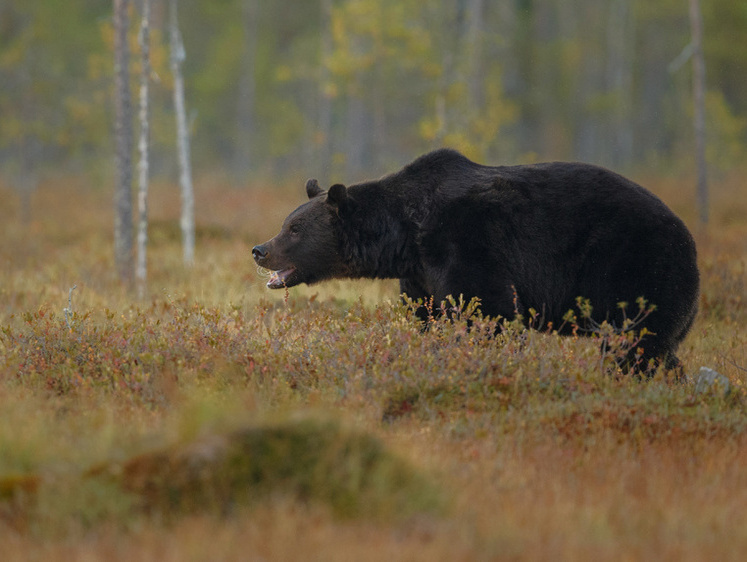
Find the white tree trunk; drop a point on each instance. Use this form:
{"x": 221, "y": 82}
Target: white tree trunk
{"x": 699, "y": 86}
{"x": 182, "y": 137}
{"x": 324, "y": 116}
{"x": 123, "y": 134}
{"x": 143, "y": 146}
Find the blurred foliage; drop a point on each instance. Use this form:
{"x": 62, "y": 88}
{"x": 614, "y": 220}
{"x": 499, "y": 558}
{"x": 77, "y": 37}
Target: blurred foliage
{"x": 501, "y": 81}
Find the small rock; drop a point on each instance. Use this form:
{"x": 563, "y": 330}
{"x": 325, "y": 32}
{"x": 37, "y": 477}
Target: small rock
{"x": 708, "y": 379}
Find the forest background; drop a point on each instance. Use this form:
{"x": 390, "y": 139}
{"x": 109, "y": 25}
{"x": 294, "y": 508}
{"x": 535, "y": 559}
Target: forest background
{"x": 343, "y": 90}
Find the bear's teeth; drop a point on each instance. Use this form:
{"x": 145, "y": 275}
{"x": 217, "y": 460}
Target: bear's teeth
{"x": 278, "y": 278}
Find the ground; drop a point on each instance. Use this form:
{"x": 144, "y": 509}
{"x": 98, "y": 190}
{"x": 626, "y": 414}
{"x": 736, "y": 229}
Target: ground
{"x": 537, "y": 451}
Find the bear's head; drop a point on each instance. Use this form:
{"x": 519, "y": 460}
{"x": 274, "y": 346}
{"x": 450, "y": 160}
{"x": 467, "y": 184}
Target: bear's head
{"x": 307, "y": 249}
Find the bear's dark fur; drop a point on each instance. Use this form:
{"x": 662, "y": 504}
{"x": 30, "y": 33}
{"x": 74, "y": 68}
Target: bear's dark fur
{"x": 517, "y": 237}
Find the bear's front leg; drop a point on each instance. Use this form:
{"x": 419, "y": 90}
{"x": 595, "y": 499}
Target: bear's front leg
{"x": 415, "y": 291}
{"x": 498, "y": 298}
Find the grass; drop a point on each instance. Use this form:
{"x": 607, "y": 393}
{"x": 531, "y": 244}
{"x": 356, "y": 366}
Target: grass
{"x": 215, "y": 419}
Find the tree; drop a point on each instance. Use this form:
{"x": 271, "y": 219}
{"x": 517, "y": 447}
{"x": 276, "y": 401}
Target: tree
{"x": 323, "y": 136}
{"x": 53, "y": 114}
{"x": 123, "y": 133}
{"x": 245, "y": 121}
{"x": 187, "y": 221}
{"x": 699, "y": 118}
{"x": 469, "y": 107}
{"x": 143, "y": 146}
{"x": 369, "y": 83}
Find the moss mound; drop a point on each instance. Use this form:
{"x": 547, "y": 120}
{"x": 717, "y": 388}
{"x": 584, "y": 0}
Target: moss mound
{"x": 312, "y": 460}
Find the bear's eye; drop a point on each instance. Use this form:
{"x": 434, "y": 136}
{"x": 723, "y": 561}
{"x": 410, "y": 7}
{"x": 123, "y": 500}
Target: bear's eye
{"x": 295, "y": 229}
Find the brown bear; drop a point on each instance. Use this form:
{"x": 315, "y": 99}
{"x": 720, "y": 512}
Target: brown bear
{"x": 517, "y": 237}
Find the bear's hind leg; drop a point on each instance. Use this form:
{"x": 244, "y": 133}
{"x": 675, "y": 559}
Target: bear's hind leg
{"x": 653, "y": 356}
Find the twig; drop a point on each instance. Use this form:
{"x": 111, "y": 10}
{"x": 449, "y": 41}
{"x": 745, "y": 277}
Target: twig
{"x": 732, "y": 363}
{"x": 69, "y": 310}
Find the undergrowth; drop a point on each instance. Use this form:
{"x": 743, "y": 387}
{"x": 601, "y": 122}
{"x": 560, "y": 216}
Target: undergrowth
{"x": 526, "y": 442}
{"x": 350, "y": 352}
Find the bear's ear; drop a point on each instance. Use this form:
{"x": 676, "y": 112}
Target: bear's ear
{"x": 312, "y": 188}
{"x": 337, "y": 195}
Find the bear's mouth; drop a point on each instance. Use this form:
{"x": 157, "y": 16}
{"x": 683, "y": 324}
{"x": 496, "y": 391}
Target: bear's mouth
{"x": 279, "y": 279}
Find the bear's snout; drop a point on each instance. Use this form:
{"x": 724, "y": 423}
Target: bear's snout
{"x": 259, "y": 253}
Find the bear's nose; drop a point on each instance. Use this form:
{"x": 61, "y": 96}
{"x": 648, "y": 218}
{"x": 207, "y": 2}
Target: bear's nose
{"x": 259, "y": 252}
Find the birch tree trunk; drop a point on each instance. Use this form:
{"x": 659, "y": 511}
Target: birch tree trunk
{"x": 28, "y": 177}
{"x": 245, "y": 122}
{"x": 448, "y": 17}
{"x": 699, "y": 78}
{"x": 620, "y": 56}
{"x": 524, "y": 70}
{"x": 143, "y": 146}
{"x": 356, "y": 130}
{"x": 324, "y": 117}
{"x": 123, "y": 133}
{"x": 187, "y": 221}
{"x": 473, "y": 51}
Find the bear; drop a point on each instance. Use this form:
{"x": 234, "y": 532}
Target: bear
{"x": 519, "y": 238}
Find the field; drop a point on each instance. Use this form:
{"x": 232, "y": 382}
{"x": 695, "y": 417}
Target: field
{"x": 217, "y": 420}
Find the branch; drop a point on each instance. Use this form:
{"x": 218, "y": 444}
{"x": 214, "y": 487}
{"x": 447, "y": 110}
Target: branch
{"x": 69, "y": 310}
